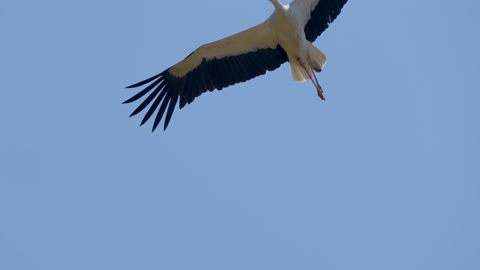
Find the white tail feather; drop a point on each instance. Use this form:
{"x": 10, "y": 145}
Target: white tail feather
{"x": 319, "y": 57}
{"x": 298, "y": 73}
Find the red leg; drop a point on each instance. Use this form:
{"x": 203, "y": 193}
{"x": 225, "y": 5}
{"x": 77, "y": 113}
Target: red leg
{"x": 315, "y": 82}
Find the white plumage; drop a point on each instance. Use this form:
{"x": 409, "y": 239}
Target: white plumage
{"x": 287, "y": 35}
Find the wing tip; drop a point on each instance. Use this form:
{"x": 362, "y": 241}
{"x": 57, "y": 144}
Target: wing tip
{"x": 138, "y": 84}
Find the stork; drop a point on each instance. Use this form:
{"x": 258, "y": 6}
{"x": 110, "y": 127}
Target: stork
{"x": 287, "y": 35}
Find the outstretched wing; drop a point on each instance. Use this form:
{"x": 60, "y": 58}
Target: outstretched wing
{"x": 215, "y": 65}
{"x": 317, "y": 14}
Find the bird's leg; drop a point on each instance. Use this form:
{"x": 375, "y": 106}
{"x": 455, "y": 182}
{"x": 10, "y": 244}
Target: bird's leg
{"x": 315, "y": 82}
{"x": 319, "y": 87}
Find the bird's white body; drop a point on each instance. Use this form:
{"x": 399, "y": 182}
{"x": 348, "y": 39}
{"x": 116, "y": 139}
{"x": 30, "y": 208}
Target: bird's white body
{"x": 288, "y": 22}
{"x": 287, "y": 35}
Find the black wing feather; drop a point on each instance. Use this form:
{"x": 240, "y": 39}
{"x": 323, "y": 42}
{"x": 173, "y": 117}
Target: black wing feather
{"x": 321, "y": 16}
{"x": 149, "y": 98}
{"x": 152, "y": 108}
{"x": 161, "y": 111}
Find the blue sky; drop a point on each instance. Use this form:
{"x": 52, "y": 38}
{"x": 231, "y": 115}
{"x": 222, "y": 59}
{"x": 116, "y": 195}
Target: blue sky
{"x": 262, "y": 175}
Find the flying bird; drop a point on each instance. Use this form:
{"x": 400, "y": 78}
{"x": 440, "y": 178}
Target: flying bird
{"x": 287, "y": 35}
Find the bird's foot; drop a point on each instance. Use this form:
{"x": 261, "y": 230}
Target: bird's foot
{"x": 319, "y": 88}
{"x": 320, "y": 92}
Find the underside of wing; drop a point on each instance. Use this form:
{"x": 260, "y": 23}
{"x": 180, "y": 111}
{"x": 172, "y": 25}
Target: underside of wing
{"x": 215, "y": 65}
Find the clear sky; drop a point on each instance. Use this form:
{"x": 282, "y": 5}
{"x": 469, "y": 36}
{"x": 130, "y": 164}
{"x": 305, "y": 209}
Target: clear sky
{"x": 263, "y": 175}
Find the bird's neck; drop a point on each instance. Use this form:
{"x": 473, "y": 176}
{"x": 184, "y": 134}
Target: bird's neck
{"x": 278, "y": 6}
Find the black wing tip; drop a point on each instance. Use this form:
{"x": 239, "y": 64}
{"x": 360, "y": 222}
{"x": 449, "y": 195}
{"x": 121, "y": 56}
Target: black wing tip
{"x": 135, "y": 85}
{"x": 159, "y": 85}
{"x": 155, "y": 127}
{"x": 130, "y": 100}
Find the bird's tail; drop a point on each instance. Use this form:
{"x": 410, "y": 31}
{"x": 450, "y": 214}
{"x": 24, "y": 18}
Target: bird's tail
{"x": 298, "y": 73}
{"x": 319, "y": 59}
